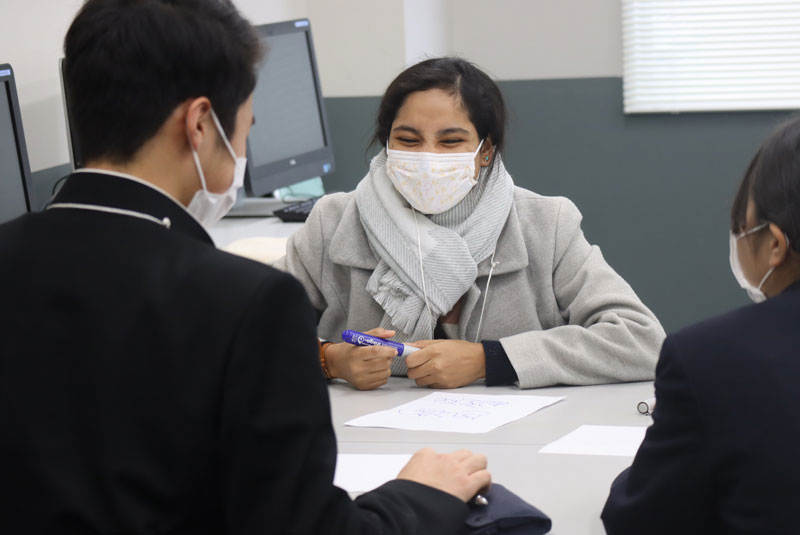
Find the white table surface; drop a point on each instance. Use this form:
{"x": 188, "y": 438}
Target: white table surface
{"x": 230, "y": 229}
{"x": 571, "y": 489}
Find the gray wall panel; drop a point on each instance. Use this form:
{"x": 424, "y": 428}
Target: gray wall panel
{"x": 351, "y": 121}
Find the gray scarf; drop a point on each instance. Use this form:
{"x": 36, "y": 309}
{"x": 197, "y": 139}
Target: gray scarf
{"x": 452, "y": 245}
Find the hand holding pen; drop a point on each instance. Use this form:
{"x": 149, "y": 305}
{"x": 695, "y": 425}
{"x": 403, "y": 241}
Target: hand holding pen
{"x": 364, "y": 367}
{"x": 460, "y": 473}
{"x": 367, "y": 339}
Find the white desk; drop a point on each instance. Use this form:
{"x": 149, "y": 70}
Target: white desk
{"x": 230, "y": 229}
{"x": 571, "y": 489}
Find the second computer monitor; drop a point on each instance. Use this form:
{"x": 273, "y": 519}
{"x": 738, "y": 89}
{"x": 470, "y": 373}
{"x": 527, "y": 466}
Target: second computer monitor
{"x": 15, "y": 173}
{"x": 289, "y": 141}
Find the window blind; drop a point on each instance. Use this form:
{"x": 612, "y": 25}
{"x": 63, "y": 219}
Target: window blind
{"x": 710, "y": 55}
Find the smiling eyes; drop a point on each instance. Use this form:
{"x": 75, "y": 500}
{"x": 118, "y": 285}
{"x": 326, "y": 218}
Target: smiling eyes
{"x": 448, "y": 142}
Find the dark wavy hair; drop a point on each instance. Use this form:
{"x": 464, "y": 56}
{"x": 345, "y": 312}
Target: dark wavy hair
{"x": 772, "y": 181}
{"x": 477, "y": 92}
{"x": 129, "y": 63}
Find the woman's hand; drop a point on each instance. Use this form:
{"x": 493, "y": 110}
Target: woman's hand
{"x": 364, "y": 367}
{"x": 461, "y": 473}
{"x": 446, "y": 363}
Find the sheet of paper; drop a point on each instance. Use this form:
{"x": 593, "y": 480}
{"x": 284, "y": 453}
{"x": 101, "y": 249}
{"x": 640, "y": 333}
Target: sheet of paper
{"x": 364, "y": 472}
{"x": 617, "y": 440}
{"x": 457, "y": 413}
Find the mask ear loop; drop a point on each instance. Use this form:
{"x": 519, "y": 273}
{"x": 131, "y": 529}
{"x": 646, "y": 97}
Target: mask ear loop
{"x": 222, "y": 135}
{"x": 196, "y": 157}
{"x": 422, "y": 272}
{"x": 197, "y": 164}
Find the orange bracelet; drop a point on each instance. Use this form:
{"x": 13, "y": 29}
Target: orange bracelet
{"x": 322, "y": 348}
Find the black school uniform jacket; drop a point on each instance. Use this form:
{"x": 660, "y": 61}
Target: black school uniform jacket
{"x": 152, "y": 384}
{"x": 723, "y": 453}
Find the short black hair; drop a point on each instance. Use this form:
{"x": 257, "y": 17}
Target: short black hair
{"x": 129, "y": 63}
{"x": 772, "y": 181}
{"x": 478, "y": 93}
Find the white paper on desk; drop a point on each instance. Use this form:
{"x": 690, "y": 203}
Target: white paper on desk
{"x": 362, "y": 472}
{"x": 617, "y": 440}
{"x": 457, "y": 413}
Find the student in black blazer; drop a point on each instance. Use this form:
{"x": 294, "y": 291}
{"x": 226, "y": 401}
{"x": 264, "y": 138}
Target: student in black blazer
{"x": 150, "y": 383}
{"x": 722, "y": 454}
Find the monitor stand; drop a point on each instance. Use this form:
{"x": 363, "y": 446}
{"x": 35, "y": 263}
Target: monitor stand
{"x": 255, "y": 207}
{"x": 265, "y": 206}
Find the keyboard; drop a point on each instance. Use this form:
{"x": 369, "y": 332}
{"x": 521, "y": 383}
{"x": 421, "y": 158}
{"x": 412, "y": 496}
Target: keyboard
{"x": 296, "y": 212}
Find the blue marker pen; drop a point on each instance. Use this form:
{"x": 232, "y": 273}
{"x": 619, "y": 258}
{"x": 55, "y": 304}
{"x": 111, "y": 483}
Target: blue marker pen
{"x": 361, "y": 339}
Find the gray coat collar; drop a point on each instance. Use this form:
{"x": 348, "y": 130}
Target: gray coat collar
{"x": 350, "y": 247}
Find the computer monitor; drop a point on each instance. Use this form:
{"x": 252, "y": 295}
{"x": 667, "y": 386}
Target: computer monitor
{"x": 15, "y": 172}
{"x": 289, "y": 141}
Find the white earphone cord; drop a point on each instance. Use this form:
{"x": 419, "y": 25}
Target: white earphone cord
{"x": 422, "y": 272}
{"x": 493, "y": 264}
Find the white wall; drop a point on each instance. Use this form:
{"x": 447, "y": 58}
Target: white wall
{"x": 31, "y": 41}
{"x": 361, "y": 46}
{"x": 265, "y": 11}
{"x": 428, "y": 29}
{"x": 538, "y": 39}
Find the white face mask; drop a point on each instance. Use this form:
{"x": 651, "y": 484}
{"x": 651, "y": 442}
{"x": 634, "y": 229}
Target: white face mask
{"x": 754, "y": 292}
{"x": 431, "y": 182}
{"x": 208, "y": 207}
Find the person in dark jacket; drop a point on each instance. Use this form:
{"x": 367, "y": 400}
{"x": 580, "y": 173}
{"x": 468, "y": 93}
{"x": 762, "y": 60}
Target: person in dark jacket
{"x": 150, "y": 383}
{"x": 721, "y": 455}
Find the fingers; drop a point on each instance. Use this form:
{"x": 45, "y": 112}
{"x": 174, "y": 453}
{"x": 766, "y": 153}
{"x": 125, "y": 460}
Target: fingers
{"x": 421, "y": 365}
{"x": 475, "y": 466}
{"x": 427, "y": 380}
{"x": 370, "y": 367}
{"x": 419, "y": 458}
{"x": 373, "y": 380}
{"x": 365, "y": 353}
{"x": 480, "y": 481}
{"x": 461, "y": 455}
{"x": 424, "y": 452}
{"x": 376, "y": 373}
{"x": 380, "y": 332}
{"x": 373, "y": 365}
{"x": 417, "y": 359}
{"x": 431, "y": 350}
{"x": 422, "y": 368}
{"x": 474, "y": 462}
{"x": 372, "y": 385}
{"x": 426, "y": 343}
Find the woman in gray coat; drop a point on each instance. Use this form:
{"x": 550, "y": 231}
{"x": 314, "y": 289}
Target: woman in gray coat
{"x": 436, "y": 247}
